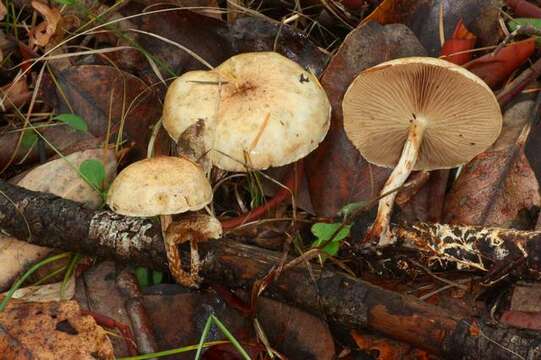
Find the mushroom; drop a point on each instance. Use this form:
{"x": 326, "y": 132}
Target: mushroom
{"x": 259, "y": 110}
{"x": 168, "y": 185}
{"x": 417, "y": 113}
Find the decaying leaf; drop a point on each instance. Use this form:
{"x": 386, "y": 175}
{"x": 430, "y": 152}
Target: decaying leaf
{"x": 423, "y": 18}
{"x": 62, "y": 177}
{"x": 261, "y": 34}
{"x": 497, "y": 184}
{"x": 42, "y": 33}
{"x": 15, "y": 256}
{"x": 109, "y": 100}
{"x": 51, "y": 330}
{"x": 45, "y": 293}
{"x": 15, "y": 94}
{"x": 336, "y": 172}
{"x": 289, "y": 330}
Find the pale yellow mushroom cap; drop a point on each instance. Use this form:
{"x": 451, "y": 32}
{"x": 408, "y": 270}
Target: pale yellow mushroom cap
{"x": 463, "y": 117}
{"x": 159, "y": 186}
{"x": 260, "y": 109}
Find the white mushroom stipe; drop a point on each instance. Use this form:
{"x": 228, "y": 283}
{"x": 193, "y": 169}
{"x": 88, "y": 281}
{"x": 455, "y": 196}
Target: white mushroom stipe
{"x": 381, "y": 229}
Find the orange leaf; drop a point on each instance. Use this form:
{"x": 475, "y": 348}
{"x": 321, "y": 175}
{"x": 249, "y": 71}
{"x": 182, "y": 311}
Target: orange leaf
{"x": 523, "y": 8}
{"x": 462, "y": 40}
{"x": 495, "y": 69}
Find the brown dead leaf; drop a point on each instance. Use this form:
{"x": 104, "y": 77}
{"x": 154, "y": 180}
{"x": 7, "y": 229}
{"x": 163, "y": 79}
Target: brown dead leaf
{"x": 97, "y": 292}
{"x": 423, "y": 18}
{"x": 15, "y": 94}
{"x": 386, "y": 349}
{"x": 292, "y": 332}
{"x": 526, "y": 297}
{"x": 337, "y": 174}
{"x": 107, "y": 98}
{"x": 42, "y": 33}
{"x": 261, "y": 34}
{"x": 52, "y": 330}
{"x": 496, "y": 185}
{"x": 15, "y": 256}
{"x": 3, "y": 10}
{"x": 523, "y": 320}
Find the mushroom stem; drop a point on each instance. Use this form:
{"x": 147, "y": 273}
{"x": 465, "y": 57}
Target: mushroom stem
{"x": 380, "y": 229}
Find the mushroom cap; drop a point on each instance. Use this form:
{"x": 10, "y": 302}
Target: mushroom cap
{"x": 268, "y": 112}
{"x": 159, "y": 186}
{"x": 461, "y": 114}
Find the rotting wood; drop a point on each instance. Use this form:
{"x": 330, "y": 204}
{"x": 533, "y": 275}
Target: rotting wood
{"x": 63, "y": 224}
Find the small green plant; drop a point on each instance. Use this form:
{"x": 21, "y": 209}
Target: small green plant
{"x": 74, "y": 121}
{"x": 330, "y": 236}
{"x": 172, "y": 351}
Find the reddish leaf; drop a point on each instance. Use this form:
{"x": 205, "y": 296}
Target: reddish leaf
{"x": 495, "y": 69}
{"x": 337, "y": 173}
{"x": 523, "y": 8}
{"x": 462, "y": 40}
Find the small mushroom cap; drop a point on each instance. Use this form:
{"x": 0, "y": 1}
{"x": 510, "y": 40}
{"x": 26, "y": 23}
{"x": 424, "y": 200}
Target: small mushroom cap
{"x": 268, "y": 111}
{"x": 159, "y": 186}
{"x": 461, "y": 114}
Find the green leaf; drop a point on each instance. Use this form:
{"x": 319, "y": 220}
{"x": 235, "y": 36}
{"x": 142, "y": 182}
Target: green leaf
{"x": 324, "y": 233}
{"x": 72, "y": 120}
{"x": 29, "y": 138}
{"x": 93, "y": 172}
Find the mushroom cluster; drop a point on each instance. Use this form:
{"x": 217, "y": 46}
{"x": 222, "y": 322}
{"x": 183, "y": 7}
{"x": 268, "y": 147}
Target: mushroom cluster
{"x": 417, "y": 113}
{"x": 254, "y": 111}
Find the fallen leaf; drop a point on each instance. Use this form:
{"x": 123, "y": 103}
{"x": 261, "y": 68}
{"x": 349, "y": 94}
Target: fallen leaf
{"x": 524, "y": 8}
{"x": 45, "y": 293}
{"x": 526, "y": 297}
{"x": 205, "y": 36}
{"x": 495, "y": 69}
{"x": 15, "y": 94}
{"x": 15, "y": 257}
{"x": 108, "y": 100}
{"x": 41, "y": 34}
{"x": 455, "y": 48}
{"x": 423, "y": 18}
{"x": 496, "y": 185}
{"x": 62, "y": 178}
{"x": 3, "y": 10}
{"x": 523, "y": 320}
{"x": 251, "y": 34}
{"x": 51, "y": 330}
{"x": 337, "y": 174}
{"x": 97, "y": 292}
{"x": 293, "y": 332}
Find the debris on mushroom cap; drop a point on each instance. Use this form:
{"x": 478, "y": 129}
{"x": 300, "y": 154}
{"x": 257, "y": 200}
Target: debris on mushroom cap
{"x": 261, "y": 110}
{"x": 159, "y": 186}
{"x": 462, "y": 116}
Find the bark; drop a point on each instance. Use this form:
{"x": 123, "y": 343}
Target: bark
{"x": 60, "y": 223}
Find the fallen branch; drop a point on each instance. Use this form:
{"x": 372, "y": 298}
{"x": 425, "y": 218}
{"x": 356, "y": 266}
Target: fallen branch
{"x": 63, "y": 224}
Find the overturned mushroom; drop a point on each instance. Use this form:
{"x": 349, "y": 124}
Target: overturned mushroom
{"x": 259, "y": 110}
{"x": 417, "y": 114}
{"x": 165, "y": 186}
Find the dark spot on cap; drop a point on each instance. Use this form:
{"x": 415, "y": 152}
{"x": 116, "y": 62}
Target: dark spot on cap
{"x": 66, "y": 327}
{"x": 303, "y": 79}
